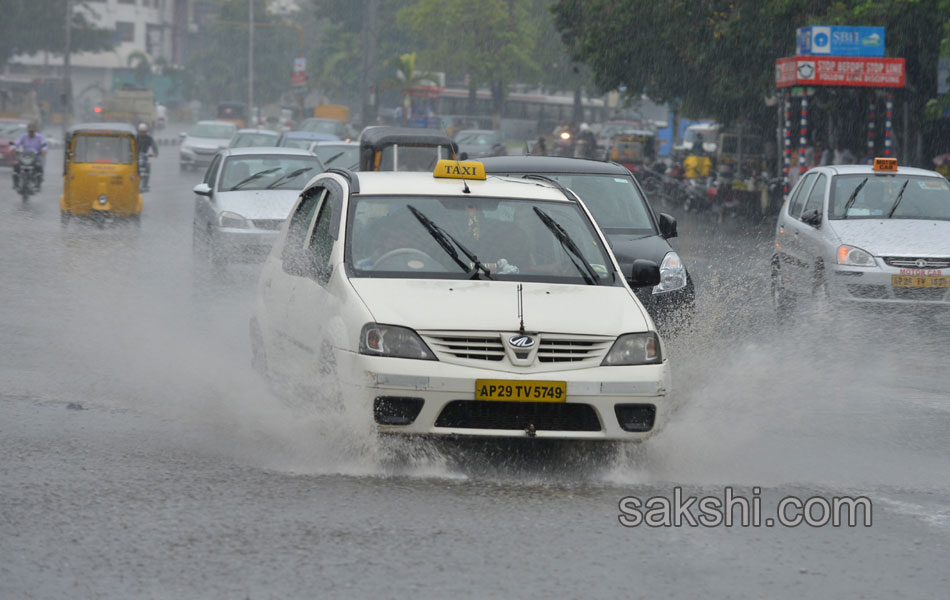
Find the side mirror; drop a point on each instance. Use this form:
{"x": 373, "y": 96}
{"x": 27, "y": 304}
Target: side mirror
{"x": 812, "y": 218}
{"x": 463, "y": 156}
{"x": 667, "y": 226}
{"x": 644, "y": 273}
{"x": 202, "y": 189}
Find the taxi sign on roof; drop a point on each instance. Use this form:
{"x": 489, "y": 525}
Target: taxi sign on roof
{"x": 453, "y": 169}
{"x": 888, "y": 165}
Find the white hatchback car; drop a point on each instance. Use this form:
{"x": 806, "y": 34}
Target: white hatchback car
{"x": 480, "y": 308}
{"x": 862, "y": 234}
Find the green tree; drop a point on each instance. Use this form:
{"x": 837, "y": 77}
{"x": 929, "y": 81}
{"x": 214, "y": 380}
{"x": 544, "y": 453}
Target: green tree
{"x": 405, "y": 79}
{"x": 32, "y": 26}
{"x": 490, "y": 41}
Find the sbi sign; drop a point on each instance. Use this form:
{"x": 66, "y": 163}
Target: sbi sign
{"x": 840, "y": 40}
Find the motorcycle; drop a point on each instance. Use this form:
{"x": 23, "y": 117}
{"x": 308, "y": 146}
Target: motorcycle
{"x": 564, "y": 144}
{"x": 145, "y": 170}
{"x": 27, "y": 175}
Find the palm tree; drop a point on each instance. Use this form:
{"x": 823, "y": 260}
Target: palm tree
{"x": 142, "y": 66}
{"x": 406, "y": 79}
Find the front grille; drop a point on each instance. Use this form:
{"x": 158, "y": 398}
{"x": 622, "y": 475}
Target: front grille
{"x": 920, "y": 294}
{"x": 911, "y": 263}
{"x": 867, "y": 291}
{"x": 269, "y": 224}
{"x": 468, "y": 346}
{"x": 545, "y": 416}
{"x": 561, "y": 349}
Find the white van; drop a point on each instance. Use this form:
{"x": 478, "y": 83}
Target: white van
{"x": 475, "y": 307}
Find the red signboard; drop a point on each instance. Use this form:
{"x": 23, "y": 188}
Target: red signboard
{"x": 846, "y": 71}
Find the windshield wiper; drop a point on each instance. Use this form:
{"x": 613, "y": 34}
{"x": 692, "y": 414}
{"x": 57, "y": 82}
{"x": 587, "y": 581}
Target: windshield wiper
{"x": 287, "y": 177}
{"x": 854, "y": 196}
{"x": 333, "y": 158}
{"x": 900, "y": 196}
{"x": 587, "y": 271}
{"x": 446, "y": 240}
{"x": 257, "y": 175}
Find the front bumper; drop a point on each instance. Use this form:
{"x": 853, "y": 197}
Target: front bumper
{"x": 446, "y": 393}
{"x": 198, "y": 157}
{"x": 874, "y": 286}
{"x": 243, "y": 245}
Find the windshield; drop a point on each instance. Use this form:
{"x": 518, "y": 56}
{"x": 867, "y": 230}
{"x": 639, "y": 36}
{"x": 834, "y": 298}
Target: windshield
{"x": 385, "y": 239}
{"x": 922, "y": 198}
{"x": 614, "y": 201}
{"x": 477, "y": 138}
{"x": 212, "y": 131}
{"x": 245, "y": 140}
{"x": 297, "y": 143}
{"x": 347, "y": 156}
{"x": 102, "y": 149}
{"x": 321, "y": 126}
{"x": 411, "y": 158}
{"x": 273, "y": 172}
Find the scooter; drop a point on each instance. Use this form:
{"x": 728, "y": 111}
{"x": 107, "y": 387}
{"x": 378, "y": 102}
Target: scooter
{"x": 27, "y": 175}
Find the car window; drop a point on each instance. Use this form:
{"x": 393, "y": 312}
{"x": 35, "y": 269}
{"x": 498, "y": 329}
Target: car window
{"x": 322, "y": 238}
{"x": 211, "y": 174}
{"x": 268, "y": 172}
{"x": 347, "y": 157}
{"x": 208, "y": 130}
{"x": 816, "y": 197}
{"x": 299, "y": 227}
{"x": 798, "y": 198}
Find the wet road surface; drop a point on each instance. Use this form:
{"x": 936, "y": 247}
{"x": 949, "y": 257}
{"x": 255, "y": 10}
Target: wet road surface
{"x": 184, "y": 477}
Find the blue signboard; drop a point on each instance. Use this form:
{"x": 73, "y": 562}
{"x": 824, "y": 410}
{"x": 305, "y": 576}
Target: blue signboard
{"x": 840, "y": 40}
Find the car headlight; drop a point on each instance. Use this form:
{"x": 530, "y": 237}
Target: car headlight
{"x": 634, "y": 349}
{"x": 390, "y": 340}
{"x": 855, "y": 257}
{"x": 672, "y": 274}
{"x": 232, "y": 220}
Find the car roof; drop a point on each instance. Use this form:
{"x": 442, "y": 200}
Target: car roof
{"x": 310, "y": 135}
{"x": 259, "y": 131}
{"x": 379, "y": 135}
{"x": 336, "y": 143}
{"x": 258, "y": 150}
{"x": 551, "y": 164}
{"x": 216, "y": 122}
{"x": 869, "y": 170}
{"x": 389, "y": 183}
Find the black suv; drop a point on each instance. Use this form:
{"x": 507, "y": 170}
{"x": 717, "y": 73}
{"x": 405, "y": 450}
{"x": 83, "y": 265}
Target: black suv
{"x": 632, "y": 227}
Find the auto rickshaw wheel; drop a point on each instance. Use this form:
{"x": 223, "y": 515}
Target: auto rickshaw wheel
{"x": 137, "y": 220}
{"x": 64, "y": 218}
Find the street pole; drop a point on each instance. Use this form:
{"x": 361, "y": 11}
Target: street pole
{"x": 67, "y": 72}
{"x": 250, "y": 61}
{"x": 368, "y": 84}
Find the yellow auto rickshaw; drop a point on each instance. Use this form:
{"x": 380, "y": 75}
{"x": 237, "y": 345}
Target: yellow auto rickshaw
{"x": 100, "y": 173}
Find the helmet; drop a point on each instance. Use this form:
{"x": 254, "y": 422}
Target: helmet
{"x": 585, "y": 127}
{"x": 31, "y": 126}
{"x": 143, "y": 127}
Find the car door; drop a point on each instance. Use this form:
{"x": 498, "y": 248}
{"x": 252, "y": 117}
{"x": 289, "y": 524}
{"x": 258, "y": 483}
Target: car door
{"x": 811, "y": 237}
{"x": 205, "y": 213}
{"x": 312, "y": 300}
{"x": 788, "y": 236}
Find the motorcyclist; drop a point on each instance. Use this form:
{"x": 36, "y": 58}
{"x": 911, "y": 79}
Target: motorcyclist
{"x": 586, "y": 141}
{"x": 33, "y": 142}
{"x": 144, "y": 143}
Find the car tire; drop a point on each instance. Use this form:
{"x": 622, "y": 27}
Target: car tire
{"x": 782, "y": 301}
{"x": 64, "y": 218}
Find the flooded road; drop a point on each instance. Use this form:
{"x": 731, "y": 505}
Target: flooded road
{"x": 182, "y": 476}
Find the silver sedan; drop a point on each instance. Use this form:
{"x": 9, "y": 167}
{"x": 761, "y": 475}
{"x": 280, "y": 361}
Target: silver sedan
{"x": 862, "y": 234}
{"x": 245, "y": 197}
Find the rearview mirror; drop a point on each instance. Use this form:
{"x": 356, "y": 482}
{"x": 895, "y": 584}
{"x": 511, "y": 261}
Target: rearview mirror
{"x": 644, "y": 273}
{"x": 812, "y": 217}
{"x": 667, "y": 226}
{"x": 202, "y": 189}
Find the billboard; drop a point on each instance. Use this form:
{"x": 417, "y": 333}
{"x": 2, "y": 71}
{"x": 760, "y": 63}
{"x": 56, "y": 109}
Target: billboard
{"x": 840, "y": 40}
{"x": 840, "y": 71}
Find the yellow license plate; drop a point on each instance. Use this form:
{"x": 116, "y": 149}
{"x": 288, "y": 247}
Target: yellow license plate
{"x": 506, "y": 390}
{"x": 918, "y": 281}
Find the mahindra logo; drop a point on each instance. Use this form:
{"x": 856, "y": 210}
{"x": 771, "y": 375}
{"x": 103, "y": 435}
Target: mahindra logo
{"x": 521, "y": 341}
{"x": 921, "y": 263}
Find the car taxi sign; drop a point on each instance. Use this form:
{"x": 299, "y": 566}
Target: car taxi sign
{"x": 887, "y": 165}
{"x": 453, "y": 169}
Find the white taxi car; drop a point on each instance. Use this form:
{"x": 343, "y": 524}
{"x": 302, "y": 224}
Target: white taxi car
{"x": 864, "y": 235}
{"x": 481, "y": 307}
